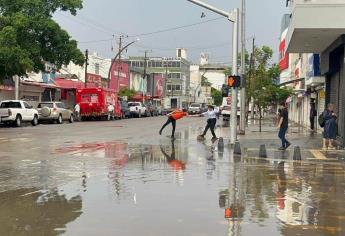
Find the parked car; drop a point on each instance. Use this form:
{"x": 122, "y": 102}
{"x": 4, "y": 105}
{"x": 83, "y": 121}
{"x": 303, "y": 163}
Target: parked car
{"x": 226, "y": 112}
{"x": 195, "y": 108}
{"x": 137, "y": 109}
{"x": 54, "y": 111}
{"x": 17, "y": 111}
{"x": 152, "y": 110}
{"x": 126, "y": 113}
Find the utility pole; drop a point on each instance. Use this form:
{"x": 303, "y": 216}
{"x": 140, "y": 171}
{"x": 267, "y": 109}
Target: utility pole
{"x": 86, "y": 65}
{"x": 145, "y": 68}
{"x": 234, "y": 18}
{"x": 234, "y": 92}
{"x": 243, "y": 69}
{"x": 253, "y": 77}
{"x": 119, "y": 64}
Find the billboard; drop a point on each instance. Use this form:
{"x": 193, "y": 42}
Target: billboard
{"x": 283, "y": 56}
{"x": 119, "y": 76}
{"x": 155, "y": 85}
{"x": 93, "y": 80}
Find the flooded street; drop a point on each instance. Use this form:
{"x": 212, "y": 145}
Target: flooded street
{"x": 125, "y": 186}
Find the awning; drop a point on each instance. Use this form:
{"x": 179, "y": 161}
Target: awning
{"x": 68, "y": 84}
{"x": 38, "y": 84}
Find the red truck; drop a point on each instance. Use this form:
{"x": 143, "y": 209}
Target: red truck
{"x": 95, "y": 102}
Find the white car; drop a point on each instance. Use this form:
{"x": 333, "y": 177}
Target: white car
{"x": 137, "y": 109}
{"x": 226, "y": 112}
{"x": 17, "y": 111}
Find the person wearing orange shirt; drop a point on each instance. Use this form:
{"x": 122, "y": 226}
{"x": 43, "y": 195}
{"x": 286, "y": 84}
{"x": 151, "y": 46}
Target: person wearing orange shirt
{"x": 172, "y": 118}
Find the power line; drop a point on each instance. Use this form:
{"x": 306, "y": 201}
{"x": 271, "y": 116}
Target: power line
{"x": 174, "y": 28}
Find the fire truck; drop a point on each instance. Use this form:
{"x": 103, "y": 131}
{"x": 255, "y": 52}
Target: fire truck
{"x": 94, "y": 103}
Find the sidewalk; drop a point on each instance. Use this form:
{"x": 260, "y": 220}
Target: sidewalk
{"x": 310, "y": 143}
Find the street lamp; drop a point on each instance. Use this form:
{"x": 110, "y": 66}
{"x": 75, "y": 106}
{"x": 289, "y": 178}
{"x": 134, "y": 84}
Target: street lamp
{"x": 234, "y": 18}
{"x": 115, "y": 58}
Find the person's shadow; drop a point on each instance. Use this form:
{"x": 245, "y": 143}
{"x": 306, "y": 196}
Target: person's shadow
{"x": 171, "y": 159}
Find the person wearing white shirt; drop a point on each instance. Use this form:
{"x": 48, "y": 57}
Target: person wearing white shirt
{"x": 211, "y": 116}
{"x": 77, "y": 111}
{"x": 110, "y": 111}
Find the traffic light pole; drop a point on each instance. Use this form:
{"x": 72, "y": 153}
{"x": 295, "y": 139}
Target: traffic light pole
{"x": 234, "y": 18}
{"x": 234, "y": 91}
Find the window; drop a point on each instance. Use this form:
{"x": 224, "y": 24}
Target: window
{"x": 159, "y": 64}
{"x": 177, "y": 87}
{"x": 97, "y": 68}
{"x": 89, "y": 98}
{"x": 60, "y": 105}
{"x": 169, "y": 87}
{"x": 11, "y": 105}
{"x": 27, "y": 106}
{"x": 133, "y": 104}
{"x": 178, "y": 64}
{"x": 142, "y": 64}
{"x": 42, "y": 105}
{"x": 174, "y": 64}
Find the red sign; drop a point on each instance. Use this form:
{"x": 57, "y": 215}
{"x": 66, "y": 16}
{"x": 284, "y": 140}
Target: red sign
{"x": 119, "y": 76}
{"x": 283, "y": 56}
{"x": 93, "y": 80}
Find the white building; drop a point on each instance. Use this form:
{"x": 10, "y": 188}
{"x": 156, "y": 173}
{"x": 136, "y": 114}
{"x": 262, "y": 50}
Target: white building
{"x": 318, "y": 27}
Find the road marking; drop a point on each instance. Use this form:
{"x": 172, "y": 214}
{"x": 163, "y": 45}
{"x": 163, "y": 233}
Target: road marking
{"x": 318, "y": 155}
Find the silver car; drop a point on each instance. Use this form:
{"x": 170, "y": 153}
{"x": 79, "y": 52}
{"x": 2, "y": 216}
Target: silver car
{"x": 54, "y": 111}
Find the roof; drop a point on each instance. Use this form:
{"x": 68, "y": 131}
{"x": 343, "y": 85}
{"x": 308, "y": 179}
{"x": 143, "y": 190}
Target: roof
{"x": 68, "y": 84}
{"x": 38, "y": 84}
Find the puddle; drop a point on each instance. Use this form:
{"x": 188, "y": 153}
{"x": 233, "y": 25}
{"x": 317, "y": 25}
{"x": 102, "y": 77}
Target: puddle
{"x": 180, "y": 187}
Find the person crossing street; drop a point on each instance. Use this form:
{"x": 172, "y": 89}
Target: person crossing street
{"x": 172, "y": 118}
{"x": 211, "y": 116}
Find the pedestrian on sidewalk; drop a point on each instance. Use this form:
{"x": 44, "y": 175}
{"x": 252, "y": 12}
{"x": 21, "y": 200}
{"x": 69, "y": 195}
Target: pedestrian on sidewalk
{"x": 312, "y": 115}
{"x": 211, "y": 116}
{"x": 172, "y": 118}
{"x": 283, "y": 125}
{"x": 330, "y": 128}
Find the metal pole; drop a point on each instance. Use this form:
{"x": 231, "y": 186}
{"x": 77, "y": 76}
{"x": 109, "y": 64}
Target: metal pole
{"x": 233, "y": 120}
{"x": 253, "y": 78}
{"x": 119, "y": 65}
{"x": 243, "y": 69}
{"x": 115, "y": 58}
{"x": 209, "y": 7}
{"x": 86, "y": 64}
{"x": 145, "y": 67}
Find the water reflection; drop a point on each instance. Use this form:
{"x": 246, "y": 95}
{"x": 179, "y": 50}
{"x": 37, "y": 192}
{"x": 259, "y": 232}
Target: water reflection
{"x": 168, "y": 189}
{"x": 33, "y": 212}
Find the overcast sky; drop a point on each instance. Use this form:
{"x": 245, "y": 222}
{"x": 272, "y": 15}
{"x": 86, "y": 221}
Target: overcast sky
{"x": 102, "y": 20}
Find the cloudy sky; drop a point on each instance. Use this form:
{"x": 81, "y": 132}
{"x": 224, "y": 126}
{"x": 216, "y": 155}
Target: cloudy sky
{"x": 100, "y": 23}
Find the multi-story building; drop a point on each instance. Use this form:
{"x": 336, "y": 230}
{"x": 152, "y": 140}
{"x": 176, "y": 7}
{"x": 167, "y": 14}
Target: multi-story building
{"x": 176, "y": 72}
{"x": 318, "y": 27}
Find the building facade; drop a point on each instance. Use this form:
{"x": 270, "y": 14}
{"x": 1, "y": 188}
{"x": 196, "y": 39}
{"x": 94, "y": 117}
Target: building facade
{"x": 318, "y": 27}
{"x": 176, "y": 72}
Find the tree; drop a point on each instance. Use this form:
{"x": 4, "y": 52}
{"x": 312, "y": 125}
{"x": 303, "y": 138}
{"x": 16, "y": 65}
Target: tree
{"x": 205, "y": 82}
{"x": 125, "y": 92}
{"x": 217, "y": 96}
{"x": 263, "y": 78}
{"x": 29, "y": 36}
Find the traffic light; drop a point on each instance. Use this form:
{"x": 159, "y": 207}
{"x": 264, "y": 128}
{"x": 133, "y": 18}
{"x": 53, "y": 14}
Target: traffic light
{"x": 234, "y": 81}
{"x": 225, "y": 90}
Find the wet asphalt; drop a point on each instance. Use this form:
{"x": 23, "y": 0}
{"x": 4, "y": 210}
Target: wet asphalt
{"x": 122, "y": 178}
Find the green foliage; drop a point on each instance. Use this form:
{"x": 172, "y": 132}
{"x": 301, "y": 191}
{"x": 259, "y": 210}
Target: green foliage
{"x": 262, "y": 80}
{"x": 217, "y": 96}
{"x": 205, "y": 82}
{"x": 125, "y": 92}
{"x": 29, "y": 36}
{"x": 228, "y": 71}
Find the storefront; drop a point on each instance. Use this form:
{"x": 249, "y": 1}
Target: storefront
{"x": 335, "y": 82}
